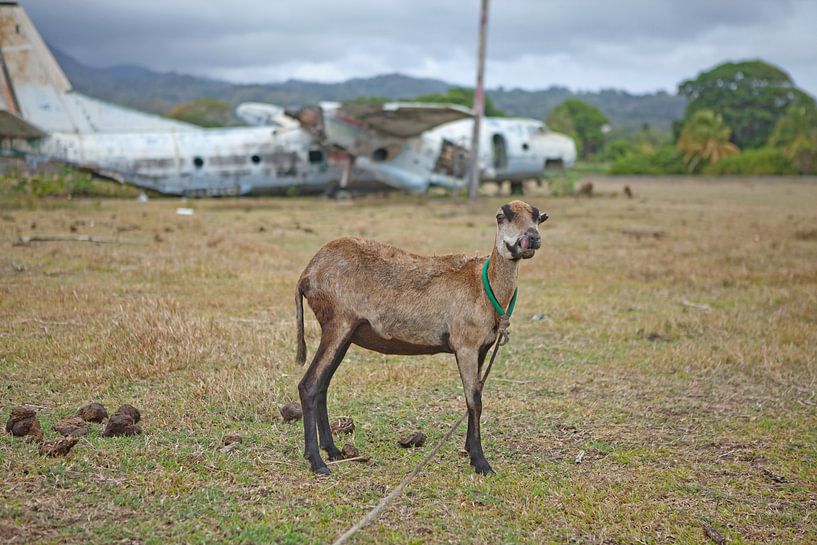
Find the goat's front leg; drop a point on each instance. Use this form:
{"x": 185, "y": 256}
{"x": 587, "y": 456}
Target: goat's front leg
{"x": 468, "y": 361}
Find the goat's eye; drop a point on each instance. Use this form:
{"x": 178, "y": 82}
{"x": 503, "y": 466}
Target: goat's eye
{"x": 500, "y": 218}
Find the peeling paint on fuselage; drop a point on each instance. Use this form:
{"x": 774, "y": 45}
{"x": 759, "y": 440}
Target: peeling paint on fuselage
{"x": 237, "y": 161}
{"x": 212, "y": 161}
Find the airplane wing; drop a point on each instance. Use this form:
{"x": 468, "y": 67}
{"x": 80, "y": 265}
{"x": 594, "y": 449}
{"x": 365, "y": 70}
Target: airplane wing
{"x": 13, "y": 126}
{"x": 390, "y": 141}
{"x": 401, "y": 119}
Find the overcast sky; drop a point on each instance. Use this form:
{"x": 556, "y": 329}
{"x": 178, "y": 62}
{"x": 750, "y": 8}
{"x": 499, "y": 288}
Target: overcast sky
{"x": 637, "y": 45}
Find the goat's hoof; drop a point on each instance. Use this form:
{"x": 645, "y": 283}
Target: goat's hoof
{"x": 318, "y": 466}
{"x": 334, "y": 455}
{"x": 482, "y": 467}
{"x": 321, "y": 470}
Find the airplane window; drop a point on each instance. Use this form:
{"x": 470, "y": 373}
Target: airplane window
{"x": 255, "y": 159}
{"x": 525, "y": 146}
{"x": 198, "y": 162}
{"x": 315, "y": 156}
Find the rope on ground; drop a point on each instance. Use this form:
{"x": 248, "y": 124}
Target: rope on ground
{"x": 384, "y": 502}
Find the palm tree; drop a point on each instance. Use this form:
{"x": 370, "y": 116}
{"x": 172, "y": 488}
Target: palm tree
{"x": 704, "y": 137}
{"x": 796, "y": 134}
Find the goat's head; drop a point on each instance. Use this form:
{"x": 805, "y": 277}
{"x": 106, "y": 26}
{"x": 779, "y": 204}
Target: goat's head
{"x": 517, "y": 230}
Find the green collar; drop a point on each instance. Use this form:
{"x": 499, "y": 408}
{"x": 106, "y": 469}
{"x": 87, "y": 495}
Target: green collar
{"x": 492, "y": 297}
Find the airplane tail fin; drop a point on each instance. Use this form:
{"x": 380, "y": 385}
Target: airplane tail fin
{"x": 30, "y": 77}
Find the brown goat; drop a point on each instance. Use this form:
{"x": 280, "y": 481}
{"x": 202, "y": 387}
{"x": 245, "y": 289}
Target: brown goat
{"x": 387, "y": 300}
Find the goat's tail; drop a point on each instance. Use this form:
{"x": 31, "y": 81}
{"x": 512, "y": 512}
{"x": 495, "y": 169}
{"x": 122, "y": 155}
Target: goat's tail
{"x": 300, "y": 358}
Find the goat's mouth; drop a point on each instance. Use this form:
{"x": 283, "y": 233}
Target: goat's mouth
{"x": 524, "y": 247}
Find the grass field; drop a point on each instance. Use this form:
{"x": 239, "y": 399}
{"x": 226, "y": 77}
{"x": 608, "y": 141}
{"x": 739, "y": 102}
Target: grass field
{"x": 671, "y": 337}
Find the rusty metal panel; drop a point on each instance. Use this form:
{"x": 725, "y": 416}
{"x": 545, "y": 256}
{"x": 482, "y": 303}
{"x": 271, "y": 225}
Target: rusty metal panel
{"x": 27, "y": 57}
{"x": 402, "y": 119}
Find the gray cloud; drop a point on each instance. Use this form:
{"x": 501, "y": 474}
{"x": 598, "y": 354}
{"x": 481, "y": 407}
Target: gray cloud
{"x": 638, "y": 45}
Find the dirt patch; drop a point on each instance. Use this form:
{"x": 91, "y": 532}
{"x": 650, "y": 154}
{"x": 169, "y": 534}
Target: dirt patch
{"x": 230, "y": 442}
{"x": 653, "y": 336}
{"x": 7, "y": 533}
{"x": 714, "y": 534}
{"x": 806, "y": 234}
{"x": 638, "y": 234}
{"x": 230, "y": 439}
{"x": 776, "y": 477}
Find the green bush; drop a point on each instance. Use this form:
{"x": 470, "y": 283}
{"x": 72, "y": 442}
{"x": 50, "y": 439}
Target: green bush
{"x": 617, "y": 148}
{"x": 763, "y": 161}
{"x": 27, "y": 189}
{"x": 664, "y": 160}
{"x": 561, "y": 184}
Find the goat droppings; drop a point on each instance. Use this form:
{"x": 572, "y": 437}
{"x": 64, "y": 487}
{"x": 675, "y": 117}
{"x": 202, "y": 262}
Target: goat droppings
{"x": 23, "y": 422}
{"x": 291, "y": 412}
{"x": 93, "y": 412}
{"x": 344, "y": 424}
{"x": 416, "y": 439}
{"x": 58, "y": 447}
{"x": 120, "y": 424}
{"x": 72, "y": 425}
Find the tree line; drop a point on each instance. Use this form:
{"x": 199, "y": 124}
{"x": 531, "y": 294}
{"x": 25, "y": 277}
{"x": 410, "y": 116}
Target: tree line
{"x": 740, "y": 118}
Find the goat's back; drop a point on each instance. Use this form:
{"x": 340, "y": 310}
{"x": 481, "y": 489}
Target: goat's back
{"x": 394, "y": 290}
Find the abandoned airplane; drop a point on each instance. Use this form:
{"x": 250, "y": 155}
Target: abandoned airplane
{"x": 408, "y": 146}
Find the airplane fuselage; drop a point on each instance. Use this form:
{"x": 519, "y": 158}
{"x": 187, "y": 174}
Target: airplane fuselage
{"x": 239, "y": 161}
{"x": 229, "y": 161}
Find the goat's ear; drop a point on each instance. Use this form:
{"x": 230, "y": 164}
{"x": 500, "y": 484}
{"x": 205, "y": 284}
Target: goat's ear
{"x": 542, "y": 217}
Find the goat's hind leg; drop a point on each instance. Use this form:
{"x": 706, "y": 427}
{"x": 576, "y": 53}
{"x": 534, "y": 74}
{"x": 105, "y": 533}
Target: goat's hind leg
{"x": 324, "y": 430}
{"x": 335, "y": 341}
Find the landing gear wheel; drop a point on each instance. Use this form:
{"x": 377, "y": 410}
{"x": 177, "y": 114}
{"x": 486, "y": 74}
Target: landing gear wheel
{"x": 517, "y": 188}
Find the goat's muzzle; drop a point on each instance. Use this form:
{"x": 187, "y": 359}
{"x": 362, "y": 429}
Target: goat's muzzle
{"x": 525, "y": 246}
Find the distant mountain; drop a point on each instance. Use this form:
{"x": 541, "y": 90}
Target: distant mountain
{"x": 158, "y": 92}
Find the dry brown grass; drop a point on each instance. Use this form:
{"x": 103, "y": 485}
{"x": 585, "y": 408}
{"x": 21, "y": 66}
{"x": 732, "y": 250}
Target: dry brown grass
{"x": 674, "y": 342}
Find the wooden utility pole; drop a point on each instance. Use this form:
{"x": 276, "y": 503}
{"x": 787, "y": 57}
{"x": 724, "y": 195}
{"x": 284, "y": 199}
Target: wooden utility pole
{"x": 479, "y": 104}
